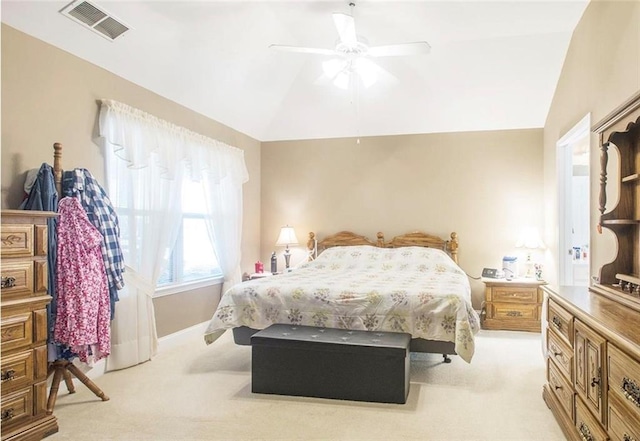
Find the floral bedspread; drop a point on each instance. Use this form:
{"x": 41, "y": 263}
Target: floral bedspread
{"x": 416, "y": 290}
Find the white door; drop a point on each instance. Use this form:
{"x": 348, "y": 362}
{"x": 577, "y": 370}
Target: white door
{"x": 573, "y": 212}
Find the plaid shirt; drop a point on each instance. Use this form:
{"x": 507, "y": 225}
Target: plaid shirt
{"x": 81, "y": 184}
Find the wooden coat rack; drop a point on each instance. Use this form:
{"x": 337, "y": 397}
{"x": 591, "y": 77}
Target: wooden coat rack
{"x": 64, "y": 369}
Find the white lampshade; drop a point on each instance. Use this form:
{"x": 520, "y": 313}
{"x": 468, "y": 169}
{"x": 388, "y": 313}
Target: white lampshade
{"x": 287, "y": 236}
{"x": 529, "y": 238}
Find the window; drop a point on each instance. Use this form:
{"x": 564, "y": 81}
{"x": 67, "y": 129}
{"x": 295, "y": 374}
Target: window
{"x": 167, "y": 228}
{"x": 193, "y": 257}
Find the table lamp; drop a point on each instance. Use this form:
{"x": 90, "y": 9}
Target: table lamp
{"x": 529, "y": 239}
{"x": 287, "y": 237}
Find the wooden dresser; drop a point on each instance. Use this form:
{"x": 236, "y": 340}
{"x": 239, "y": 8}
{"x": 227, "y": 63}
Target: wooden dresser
{"x": 24, "y": 326}
{"x": 593, "y": 365}
{"x": 514, "y": 305}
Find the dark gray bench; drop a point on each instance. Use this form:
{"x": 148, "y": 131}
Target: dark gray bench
{"x": 331, "y": 363}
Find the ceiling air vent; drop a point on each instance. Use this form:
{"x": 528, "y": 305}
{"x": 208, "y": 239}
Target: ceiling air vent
{"x": 95, "y": 18}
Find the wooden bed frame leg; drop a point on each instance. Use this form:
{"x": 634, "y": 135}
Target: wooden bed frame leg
{"x": 446, "y": 358}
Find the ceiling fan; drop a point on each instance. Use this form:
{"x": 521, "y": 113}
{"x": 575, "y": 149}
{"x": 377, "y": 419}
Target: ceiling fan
{"x": 352, "y": 53}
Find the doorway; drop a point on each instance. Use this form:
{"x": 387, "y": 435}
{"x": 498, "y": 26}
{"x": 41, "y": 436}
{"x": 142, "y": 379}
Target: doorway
{"x": 574, "y": 204}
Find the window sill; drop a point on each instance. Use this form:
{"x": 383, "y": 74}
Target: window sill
{"x": 188, "y": 286}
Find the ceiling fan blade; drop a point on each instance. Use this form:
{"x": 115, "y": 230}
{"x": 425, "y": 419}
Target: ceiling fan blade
{"x": 346, "y": 29}
{"x": 304, "y": 50}
{"x": 394, "y": 50}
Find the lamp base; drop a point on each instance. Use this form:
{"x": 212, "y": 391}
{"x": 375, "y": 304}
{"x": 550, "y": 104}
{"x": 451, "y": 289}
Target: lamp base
{"x": 287, "y": 259}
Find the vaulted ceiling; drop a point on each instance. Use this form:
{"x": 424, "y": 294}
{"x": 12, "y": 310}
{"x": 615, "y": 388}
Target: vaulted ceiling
{"x": 493, "y": 64}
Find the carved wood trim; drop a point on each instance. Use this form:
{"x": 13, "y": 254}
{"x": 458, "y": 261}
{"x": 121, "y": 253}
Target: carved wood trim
{"x": 620, "y": 130}
{"x": 416, "y": 238}
{"x": 345, "y": 238}
{"x": 616, "y": 120}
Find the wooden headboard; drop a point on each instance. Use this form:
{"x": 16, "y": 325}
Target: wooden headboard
{"x": 416, "y": 238}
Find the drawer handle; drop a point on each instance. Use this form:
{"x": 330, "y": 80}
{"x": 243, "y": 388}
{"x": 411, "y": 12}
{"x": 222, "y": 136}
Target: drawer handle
{"x": 556, "y": 322}
{"x": 627, "y": 437}
{"x": 631, "y": 391}
{"x": 585, "y": 433}
{"x": 514, "y": 314}
{"x": 8, "y": 375}
{"x": 8, "y": 414}
{"x": 595, "y": 381}
{"x": 557, "y": 387}
{"x": 8, "y": 282}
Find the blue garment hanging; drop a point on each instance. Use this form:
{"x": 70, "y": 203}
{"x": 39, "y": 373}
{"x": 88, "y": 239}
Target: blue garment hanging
{"x": 44, "y": 197}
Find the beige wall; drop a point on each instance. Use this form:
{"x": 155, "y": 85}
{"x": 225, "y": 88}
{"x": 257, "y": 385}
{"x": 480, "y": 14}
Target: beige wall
{"x": 483, "y": 185}
{"x": 50, "y": 96}
{"x": 601, "y": 71}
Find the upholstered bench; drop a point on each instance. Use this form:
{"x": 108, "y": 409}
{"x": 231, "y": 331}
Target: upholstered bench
{"x": 331, "y": 363}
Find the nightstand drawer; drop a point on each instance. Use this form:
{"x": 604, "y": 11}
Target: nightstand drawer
{"x": 561, "y": 322}
{"x": 561, "y": 354}
{"x": 514, "y": 311}
{"x": 521, "y": 294}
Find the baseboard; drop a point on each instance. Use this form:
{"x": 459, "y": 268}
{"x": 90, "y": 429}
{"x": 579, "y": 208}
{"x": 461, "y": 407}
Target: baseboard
{"x": 164, "y": 343}
{"x": 183, "y": 336}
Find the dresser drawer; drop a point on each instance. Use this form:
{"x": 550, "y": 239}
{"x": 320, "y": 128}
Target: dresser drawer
{"x": 16, "y": 408}
{"x": 561, "y": 388}
{"x": 17, "y": 370}
{"x": 17, "y": 331}
{"x": 561, "y": 322}
{"x": 17, "y": 240}
{"x": 561, "y": 354}
{"x": 17, "y": 279}
{"x": 514, "y": 311}
{"x": 624, "y": 379}
{"x": 522, "y": 294}
{"x": 41, "y": 245}
{"x": 622, "y": 426}
{"x": 588, "y": 427}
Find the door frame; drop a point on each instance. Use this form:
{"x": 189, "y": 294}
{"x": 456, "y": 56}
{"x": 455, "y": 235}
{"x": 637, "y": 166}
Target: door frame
{"x": 564, "y": 167}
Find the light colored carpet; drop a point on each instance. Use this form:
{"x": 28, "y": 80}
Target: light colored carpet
{"x": 200, "y": 392}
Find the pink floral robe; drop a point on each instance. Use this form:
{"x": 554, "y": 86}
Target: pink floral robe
{"x": 83, "y": 308}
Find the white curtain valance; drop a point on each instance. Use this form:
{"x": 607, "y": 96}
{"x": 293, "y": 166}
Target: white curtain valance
{"x": 169, "y": 145}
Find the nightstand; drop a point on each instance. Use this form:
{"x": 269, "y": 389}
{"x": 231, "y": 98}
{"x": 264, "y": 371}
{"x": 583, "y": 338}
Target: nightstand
{"x": 258, "y": 275}
{"x": 513, "y": 305}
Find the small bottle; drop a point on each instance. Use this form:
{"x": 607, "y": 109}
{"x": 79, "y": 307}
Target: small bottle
{"x": 274, "y": 263}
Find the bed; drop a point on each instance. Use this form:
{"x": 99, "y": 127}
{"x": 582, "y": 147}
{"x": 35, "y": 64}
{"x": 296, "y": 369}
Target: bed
{"x": 409, "y": 284}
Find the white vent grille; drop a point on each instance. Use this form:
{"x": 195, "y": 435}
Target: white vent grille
{"x": 95, "y": 18}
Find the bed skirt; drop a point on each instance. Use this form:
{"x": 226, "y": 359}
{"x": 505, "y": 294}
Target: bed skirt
{"x": 242, "y": 336}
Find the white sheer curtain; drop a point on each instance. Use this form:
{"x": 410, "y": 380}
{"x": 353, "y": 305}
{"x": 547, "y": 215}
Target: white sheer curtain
{"x": 147, "y": 161}
{"x": 224, "y": 205}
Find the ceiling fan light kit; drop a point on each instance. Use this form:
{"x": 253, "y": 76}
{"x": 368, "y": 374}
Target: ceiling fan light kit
{"x": 352, "y": 54}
